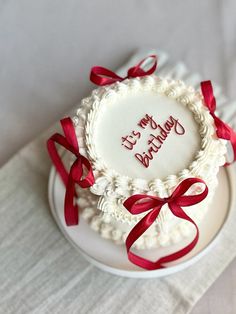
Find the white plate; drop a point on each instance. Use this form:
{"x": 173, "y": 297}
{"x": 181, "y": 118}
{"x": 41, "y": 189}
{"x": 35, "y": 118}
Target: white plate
{"x": 112, "y": 258}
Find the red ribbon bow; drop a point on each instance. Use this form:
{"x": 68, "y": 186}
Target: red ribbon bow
{"x": 102, "y": 76}
{"x": 223, "y": 130}
{"x": 76, "y": 174}
{"x": 137, "y": 204}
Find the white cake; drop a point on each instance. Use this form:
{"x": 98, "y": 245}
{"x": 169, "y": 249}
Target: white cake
{"x": 144, "y": 136}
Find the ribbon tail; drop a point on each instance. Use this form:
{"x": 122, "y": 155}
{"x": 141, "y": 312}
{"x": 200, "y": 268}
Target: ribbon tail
{"x": 71, "y": 211}
{"x": 150, "y": 265}
{"x": 233, "y": 144}
{"x": 222, "y": 129}
{"x": 178, "y": 212}
{"x": 208, "y": 95}
{"x": 56, "y": 158}
{"x": 136, "y": 233}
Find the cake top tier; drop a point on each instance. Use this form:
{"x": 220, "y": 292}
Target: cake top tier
{"x": 146, "y": 129}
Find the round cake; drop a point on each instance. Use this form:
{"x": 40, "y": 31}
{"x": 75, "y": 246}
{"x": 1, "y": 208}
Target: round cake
{"x": 145, "y": 135}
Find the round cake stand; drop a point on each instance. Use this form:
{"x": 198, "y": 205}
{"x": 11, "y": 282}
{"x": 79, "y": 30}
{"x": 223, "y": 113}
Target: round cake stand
{"x": 112, "y": 258}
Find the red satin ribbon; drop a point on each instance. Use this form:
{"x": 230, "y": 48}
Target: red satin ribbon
{"x": 137, "y": 204}
{"x": 102, "y": 76}
{"x": 223, "y": 130}
{"x": 76, "y": 173}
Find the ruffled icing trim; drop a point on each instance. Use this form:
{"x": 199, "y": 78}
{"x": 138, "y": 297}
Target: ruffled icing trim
{"x": 156, "y": 237}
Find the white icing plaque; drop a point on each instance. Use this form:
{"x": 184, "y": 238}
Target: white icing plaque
{"x": 143, "y": 134}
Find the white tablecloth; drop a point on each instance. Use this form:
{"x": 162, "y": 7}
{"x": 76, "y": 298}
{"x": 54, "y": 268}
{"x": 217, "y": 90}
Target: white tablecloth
{"x": 46, "y": 51}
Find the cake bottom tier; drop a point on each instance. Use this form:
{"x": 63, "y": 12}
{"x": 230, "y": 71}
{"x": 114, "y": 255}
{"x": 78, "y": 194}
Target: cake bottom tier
{"x": 168, "y": 232}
